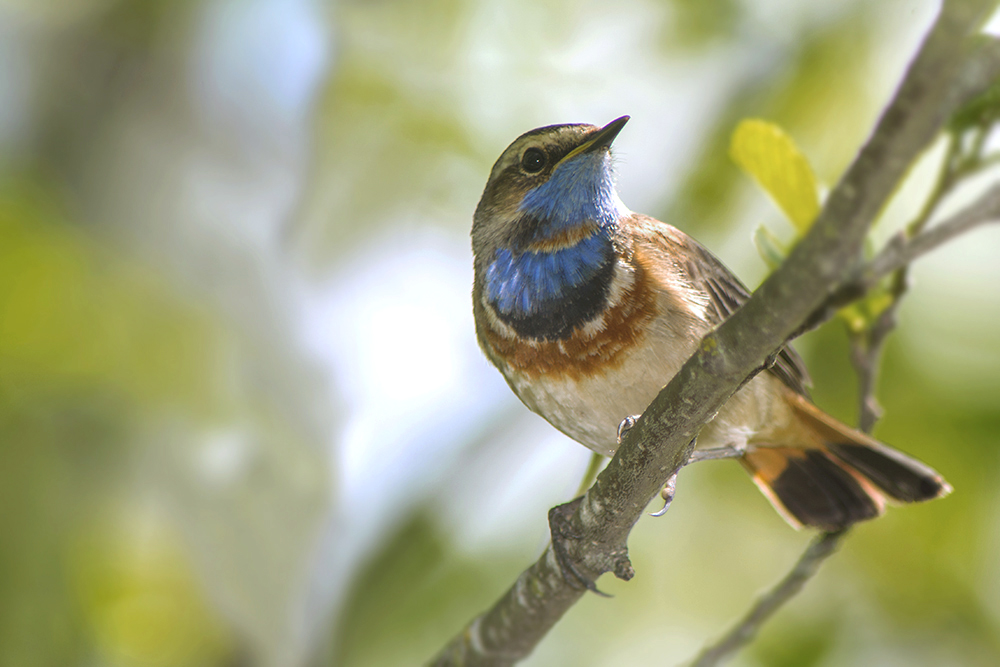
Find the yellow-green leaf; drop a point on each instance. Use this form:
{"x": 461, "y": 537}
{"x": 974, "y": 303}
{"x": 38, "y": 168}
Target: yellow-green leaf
{"x": 771, "y": 157}
{"x": 854, "y": 317}
{"x": 860, "y": 315}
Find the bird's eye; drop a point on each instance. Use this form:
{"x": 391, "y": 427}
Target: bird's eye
{"x": 533, "y": 160}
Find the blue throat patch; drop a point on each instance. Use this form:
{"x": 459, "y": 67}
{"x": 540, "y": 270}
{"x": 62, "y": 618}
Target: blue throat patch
{"x": 579, "y": 192}
{"x": 526, "y": 283}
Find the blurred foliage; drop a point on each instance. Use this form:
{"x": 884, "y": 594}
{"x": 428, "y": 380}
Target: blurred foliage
{"x": 700, "y": 23}
{"x": 85, "y": 341}
{"x": 415, "y": 589}
{"x": 73, "y": 318}
{"x": 803, "y": 643}
{"x": 820, "y": 85}
{"x": 385, "y": 122}
{"x": 141, "y": 600}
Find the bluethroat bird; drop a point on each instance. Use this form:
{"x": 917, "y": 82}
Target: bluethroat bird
{"x": 588, "y": 310}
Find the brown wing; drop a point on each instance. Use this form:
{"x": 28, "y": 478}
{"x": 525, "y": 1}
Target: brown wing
{"x": 727, "y": 294}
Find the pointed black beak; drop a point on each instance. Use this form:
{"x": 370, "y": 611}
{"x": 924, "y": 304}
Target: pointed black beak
{"x": 604, "y": 136}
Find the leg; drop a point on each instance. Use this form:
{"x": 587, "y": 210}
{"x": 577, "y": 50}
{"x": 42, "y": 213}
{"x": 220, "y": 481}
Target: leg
{"x": 729, "y": 452}
{"x": 669, "y": 489}
{"x": 667, "y": 492}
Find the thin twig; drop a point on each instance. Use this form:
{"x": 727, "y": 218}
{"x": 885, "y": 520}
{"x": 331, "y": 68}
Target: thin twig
{"x": 901, "y": 252}
{"x": 867, "y": 345}
{"x": 866, "y": 351}
{"x": 591, "y": 473}
{"x": 744, "y": 632}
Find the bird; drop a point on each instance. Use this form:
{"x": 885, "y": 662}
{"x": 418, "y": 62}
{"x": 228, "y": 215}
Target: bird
{"x": 588, "y": 310}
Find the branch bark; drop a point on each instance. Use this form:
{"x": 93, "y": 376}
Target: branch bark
{"x": 946, "y": 72}
{"x": 866, "y": 354}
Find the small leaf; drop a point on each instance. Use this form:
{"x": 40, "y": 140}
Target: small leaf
{"x": 771, "y": 157}
{"x": 854, "y": 317}
{"x": 980, "y": 110}
{"x": 861, "y": 315}
{"x": 771, "y": 250}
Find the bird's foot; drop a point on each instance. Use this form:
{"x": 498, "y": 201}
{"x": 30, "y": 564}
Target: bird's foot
{"x": 563, "y": 532}
{"x": 626, "y": 425}
{"x": 667, "y": 493}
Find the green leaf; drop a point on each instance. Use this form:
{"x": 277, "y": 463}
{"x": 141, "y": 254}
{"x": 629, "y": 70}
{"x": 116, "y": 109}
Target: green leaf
{"x": 771, "y": 250}
{"x": 771, "y": 157}
{"x": 854, "y": 317}
{"x": 981, "y": 110}
{"x": 861, "y": 315}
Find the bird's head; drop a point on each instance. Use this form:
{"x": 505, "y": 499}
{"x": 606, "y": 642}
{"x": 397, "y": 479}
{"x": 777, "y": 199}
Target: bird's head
{"x": 552, "y": 185}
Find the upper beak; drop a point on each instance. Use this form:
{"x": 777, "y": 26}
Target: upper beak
{"x": 600, "y": 139}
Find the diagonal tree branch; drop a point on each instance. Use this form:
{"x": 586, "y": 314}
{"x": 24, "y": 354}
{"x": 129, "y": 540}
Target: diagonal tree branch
{"x": 946, "y": 72}
{"x": 866, "y": 353}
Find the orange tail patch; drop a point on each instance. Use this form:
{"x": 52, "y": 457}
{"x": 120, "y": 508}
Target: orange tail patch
{"x": 837, "y": 476}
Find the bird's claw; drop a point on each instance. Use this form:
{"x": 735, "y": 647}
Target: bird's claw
{"x": 626, "y": 425}
{"x": 667, "y": 493}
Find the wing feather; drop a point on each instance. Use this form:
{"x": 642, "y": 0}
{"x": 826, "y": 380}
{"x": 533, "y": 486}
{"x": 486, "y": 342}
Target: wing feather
{"x": 726, "y": 294}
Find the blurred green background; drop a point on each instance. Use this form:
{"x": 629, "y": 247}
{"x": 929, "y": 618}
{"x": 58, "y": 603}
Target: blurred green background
{"x": 243, "y": 417}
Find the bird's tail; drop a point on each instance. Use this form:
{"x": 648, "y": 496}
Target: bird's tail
{"x": 834, "y": 476}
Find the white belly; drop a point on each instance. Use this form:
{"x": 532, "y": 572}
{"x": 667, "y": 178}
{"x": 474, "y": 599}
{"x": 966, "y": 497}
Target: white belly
{"x": 590, "y": 409}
